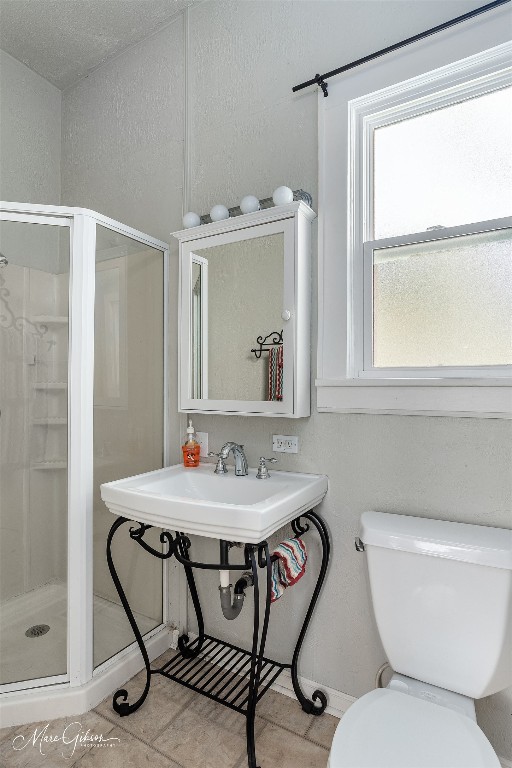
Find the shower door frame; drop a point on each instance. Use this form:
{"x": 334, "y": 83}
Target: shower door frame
{"x": 82, "y": 223}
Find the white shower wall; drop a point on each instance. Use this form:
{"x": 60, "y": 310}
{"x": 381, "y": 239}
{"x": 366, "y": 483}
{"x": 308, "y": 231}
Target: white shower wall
{"x": 33, "y": 499}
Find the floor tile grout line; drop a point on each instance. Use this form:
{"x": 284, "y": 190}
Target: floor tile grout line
{"x": 243, "y": 757}
{"x": 146, "y": 742}
{"x": 313, "y": 741}
{"x": 284, "y": 727}
{"x": 308, "y": 729}
{"x": 151, "y": 745}
{"x": 316, "y": 743}
{"x": 174, "y": 717}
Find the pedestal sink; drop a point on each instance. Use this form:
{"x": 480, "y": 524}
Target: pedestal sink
{"x": 196, "y": 500}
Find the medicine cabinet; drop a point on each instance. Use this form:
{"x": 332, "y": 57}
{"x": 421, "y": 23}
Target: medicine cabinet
{"x": 244, "y": 315}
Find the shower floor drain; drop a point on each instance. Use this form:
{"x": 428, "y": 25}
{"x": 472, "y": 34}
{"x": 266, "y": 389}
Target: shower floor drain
{"x": 37, "y": 630}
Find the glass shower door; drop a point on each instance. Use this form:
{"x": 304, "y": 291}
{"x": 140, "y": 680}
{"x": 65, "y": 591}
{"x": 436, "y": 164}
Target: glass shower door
{"x": 34, "y": 311}
{"x": 128, "y": 424}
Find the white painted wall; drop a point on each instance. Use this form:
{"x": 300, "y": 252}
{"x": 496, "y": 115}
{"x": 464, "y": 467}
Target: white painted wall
{"x": 122, "y": 134}
{"x": 122, "y": 153}
{"x": 30, "y": 138}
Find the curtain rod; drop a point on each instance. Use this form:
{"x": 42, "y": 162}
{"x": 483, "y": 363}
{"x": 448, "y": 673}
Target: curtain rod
{"x": 320, "y": 79}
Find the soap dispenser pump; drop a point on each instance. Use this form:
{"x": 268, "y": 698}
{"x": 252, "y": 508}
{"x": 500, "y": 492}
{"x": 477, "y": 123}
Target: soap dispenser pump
{"x": 191, "y": 448}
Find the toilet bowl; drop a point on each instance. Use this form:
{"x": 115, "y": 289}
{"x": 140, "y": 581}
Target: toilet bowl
{"x": 390, "y": 729}
{"x": 441, "y": 597}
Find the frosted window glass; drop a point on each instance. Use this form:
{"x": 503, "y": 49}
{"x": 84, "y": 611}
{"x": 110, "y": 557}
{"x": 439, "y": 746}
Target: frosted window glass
{"x": 444, "y": 303}
{"x": 447, "y": 167}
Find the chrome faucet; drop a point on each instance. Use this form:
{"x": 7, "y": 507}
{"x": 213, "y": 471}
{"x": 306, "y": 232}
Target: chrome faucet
{"x": 241, "y": 467}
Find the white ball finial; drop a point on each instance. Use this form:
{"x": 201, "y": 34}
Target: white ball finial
{"x": 219, "y": 212}
{"x": 191, "y": 219}
{"x": 249, "y": 204}
{"x": 282, "y": 196}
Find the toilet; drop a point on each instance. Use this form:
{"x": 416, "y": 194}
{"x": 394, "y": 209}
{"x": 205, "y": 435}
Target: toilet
{"x": 442, "y": 598}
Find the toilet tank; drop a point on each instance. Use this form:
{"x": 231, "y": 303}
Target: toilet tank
{"x": 442, "y": 597}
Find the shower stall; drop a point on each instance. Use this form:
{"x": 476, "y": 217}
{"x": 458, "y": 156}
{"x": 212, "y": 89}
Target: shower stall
{"x": 83, "y": 400}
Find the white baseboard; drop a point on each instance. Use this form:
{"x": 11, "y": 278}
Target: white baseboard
{"x": 51, "y": 702}
{"x": 338, "y": 702}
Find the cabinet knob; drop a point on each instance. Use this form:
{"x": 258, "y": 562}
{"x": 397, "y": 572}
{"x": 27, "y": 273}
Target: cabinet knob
{"x": 286, "y": 314}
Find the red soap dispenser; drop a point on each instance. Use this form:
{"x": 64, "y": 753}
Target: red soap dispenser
{"x": 191, "y": 448}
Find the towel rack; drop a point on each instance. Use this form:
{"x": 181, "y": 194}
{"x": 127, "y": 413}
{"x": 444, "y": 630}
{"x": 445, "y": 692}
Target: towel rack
{"x": 274, "y": 339}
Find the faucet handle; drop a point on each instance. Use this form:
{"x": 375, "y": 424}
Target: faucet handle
{"x": 220, "y": 467}
{"x": 263, "y": 472}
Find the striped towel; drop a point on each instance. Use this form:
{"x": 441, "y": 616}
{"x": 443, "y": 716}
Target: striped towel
{"x": 289, "y": 567}
{"x": 275, "y": 373}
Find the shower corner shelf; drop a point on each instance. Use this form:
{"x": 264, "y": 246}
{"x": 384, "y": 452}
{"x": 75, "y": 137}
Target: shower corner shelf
{"x": 46, "y": 465}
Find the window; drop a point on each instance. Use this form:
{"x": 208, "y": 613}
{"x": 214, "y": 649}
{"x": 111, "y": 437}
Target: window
{"x": 438, "y": 271}
{"x": 415, "y": 305}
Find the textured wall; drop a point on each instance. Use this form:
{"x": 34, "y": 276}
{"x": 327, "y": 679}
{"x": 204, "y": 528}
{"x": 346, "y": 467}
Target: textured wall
{"x": 122, "y": 136}
{"x": 248, "y": 134}
{"x": 30, "y": 138}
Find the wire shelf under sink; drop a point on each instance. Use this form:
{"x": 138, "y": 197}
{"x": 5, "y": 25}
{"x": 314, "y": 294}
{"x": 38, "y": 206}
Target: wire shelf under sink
{"x": 220, "y": 671}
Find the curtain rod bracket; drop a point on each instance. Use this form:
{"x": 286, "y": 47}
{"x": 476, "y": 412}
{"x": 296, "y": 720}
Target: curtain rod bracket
{"x": 322, "y": 84}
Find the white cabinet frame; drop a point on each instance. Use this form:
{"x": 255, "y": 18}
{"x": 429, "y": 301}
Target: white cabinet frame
{"x": 294, "y": 221}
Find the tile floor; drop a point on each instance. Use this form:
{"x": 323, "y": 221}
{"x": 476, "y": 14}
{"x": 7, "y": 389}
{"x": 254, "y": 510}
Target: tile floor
{"x": 176, "y": 728}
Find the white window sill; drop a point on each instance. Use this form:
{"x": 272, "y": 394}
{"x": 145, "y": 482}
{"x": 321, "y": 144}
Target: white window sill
{"x": 469, "y": 398}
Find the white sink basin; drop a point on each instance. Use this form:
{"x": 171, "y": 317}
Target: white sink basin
{"x": 198, "y": 501}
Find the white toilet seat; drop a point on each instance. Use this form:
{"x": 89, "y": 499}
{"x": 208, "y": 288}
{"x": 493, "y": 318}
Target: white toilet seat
{"x": 388, "y": 729}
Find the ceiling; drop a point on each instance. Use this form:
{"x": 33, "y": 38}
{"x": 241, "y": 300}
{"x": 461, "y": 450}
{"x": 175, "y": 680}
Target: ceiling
{"x": 64, "y": 40}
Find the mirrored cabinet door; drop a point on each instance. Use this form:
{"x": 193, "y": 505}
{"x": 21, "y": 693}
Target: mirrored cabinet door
{"x": 244, "y": 297}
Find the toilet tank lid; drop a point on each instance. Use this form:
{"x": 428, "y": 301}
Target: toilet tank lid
{"x": 478, "y": 544}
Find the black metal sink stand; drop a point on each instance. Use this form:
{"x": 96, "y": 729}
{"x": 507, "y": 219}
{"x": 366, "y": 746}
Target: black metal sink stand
{"x": 225, "y": 673}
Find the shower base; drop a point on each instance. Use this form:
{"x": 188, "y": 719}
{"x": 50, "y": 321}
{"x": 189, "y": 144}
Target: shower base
{"x": 29, "y": 658}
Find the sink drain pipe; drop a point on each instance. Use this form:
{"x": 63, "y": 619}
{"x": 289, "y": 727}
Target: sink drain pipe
{"x": 231, "y": 606}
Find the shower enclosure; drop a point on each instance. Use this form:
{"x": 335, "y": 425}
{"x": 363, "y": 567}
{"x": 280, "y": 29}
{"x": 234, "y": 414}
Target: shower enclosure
{"x": 83, "y": 400}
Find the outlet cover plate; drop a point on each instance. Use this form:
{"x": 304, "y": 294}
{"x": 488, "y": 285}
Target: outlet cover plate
{"x": 285, "y": 443}
{"x": 202, "y": 439}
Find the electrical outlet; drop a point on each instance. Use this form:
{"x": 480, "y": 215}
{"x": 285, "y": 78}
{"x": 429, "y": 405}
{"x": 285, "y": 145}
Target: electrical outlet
{"x": 202, "y": 439}
{"x": 285, "y": 443}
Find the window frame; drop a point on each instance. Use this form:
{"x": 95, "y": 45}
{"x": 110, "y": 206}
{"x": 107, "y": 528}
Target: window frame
{"x": 347, "y": 120}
